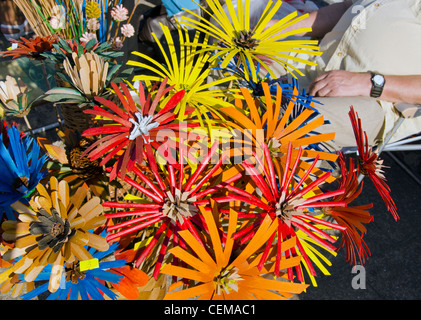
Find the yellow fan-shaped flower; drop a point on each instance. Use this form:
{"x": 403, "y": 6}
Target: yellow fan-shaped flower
{"x": 234, "y": 36}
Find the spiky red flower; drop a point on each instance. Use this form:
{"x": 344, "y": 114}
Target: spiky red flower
{"x": 31, "y": 48}
{"x": 291, "y": 202}
{"x": 354, "y": 217}
{"x": 126, "y": 129}
{"x": 370, "y": 165}
{"x": 173, "y": 197}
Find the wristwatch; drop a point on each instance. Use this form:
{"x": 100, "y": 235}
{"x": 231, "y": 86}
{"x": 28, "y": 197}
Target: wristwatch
{"x": 378, "y": 82}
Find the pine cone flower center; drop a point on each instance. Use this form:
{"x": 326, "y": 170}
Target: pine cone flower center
{"x": 73, "y": 272}
{"x": 54, "y": 231}
{"x": 244, "y": 40}
{"x": 83, "y": 166}
{"x": 179, "y": 206}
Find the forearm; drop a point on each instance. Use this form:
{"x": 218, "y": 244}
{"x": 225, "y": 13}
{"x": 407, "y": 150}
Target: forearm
{"x": 402, "y": 89}
{"x": 321, "y": 21}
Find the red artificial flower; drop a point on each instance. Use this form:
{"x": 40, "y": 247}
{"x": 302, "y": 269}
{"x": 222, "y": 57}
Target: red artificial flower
{"x": 354, "y": 217}
{"x": 369, "y": 163}
{"x": 174, "y": 194}
{"x": 128, "y": 128}
{"x": 31, "y": 48}
{"x": 291, "y": 202}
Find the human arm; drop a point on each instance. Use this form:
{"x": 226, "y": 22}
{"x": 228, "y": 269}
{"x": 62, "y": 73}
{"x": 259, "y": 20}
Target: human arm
{"x": 340, "y": 83}
{"x": 321, "y": 21}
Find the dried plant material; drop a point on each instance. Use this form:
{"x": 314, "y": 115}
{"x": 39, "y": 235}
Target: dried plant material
{"x": 14, "y": 94}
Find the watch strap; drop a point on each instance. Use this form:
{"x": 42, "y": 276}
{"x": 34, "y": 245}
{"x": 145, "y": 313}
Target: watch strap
{"x": 376, "y": 90}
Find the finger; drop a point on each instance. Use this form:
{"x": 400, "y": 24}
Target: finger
{"x": 315, "y": 87}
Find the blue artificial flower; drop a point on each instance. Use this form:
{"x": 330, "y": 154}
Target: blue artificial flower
{"x": 88, "y": 286}
{"x": 237, "y": 69}
{"x": 21, "y": 169}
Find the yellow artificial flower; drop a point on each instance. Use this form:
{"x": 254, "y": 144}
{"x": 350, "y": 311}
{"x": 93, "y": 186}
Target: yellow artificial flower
{"x": 186, "y": 69}
{"x": 235, "y": 37}
{"x": 92, "y": 9}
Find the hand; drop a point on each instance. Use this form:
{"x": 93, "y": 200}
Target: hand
{"x": 340, "y": 83}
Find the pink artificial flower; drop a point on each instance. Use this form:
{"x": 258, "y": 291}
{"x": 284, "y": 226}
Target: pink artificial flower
{"x": 120, "y": 13}
{"x": 87, "y": 36}
{"x": 92, "y": 24}
{"x": 127, "y": 30}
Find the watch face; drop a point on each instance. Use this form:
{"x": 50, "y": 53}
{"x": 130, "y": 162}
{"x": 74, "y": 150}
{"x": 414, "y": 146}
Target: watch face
{"x": 378, "y": 80}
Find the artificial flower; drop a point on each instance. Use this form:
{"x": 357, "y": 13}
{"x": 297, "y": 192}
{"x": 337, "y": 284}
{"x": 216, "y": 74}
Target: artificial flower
{"x": 79, "y": 283}
{"x": 234, "y": 36}
{"x": 370, "y": 165}
{"x": 92, "y": 24}
{"x": 92, "y": 10}
{"x": 57, "y": 22}
{"x": 22, "y": 167}
{"x": 129, "y": 127}
{"x": 119, "y": 13}
{"x": 351, "y": 217}
{"x": 171, "y": 199}
{"x": 54, "y": 230}
{"x": 87, "y": 36}
{"x": 291, "y": 202}
{"x": 14, "y": 94}
{"x": 264, "y": 121}
{"x": 127, "y": 30}
{"x": 224, "y": 271}
{"x": 32, "y": 48}
{"x": 186, "y": 69}
{"x": 67, "y": 162}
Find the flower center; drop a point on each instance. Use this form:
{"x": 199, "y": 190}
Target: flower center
{"x": 57, "y": 229}
{"x": 21, "y": 184}
{"x": 73, "y": 273}
{"x": 53, "y": 230}
{"x": 227, "y": 280}
{"x": 141, "y": 126}
{"x": 179, "y": 206}
{"x": 244, "y": 39}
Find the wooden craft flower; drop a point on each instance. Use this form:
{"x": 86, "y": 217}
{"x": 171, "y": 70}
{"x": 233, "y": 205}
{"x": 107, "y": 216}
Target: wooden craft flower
{"x": 92, "y": 10}
{"x": 53, "y": 231}
{"x": 291, "y": 201}
{"x": 22, "y": 167}
{"x": 129, "y": 127}
{"x": 277, "y": 128}
{"x": 31, "y": 48}
{"x": 234, "y": 36}
{"x": 370, "y": 165}
{"x": 81, "y": 283}
{"x": 14, "y": 94}
{"x": 171, "y": 201}
{"x": 186, "y": 69}
{"x": 221, "y": 270}
{"x": 351, "y": 217}
{"x": 67, "y": 162}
